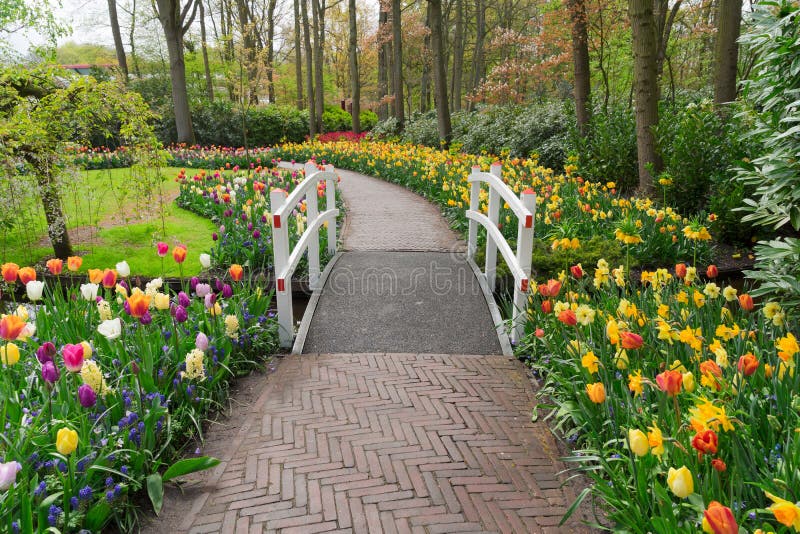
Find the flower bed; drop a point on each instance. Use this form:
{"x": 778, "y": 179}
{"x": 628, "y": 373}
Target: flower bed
{"x": 682, "y": 398}
{"x": 103, "y": 386}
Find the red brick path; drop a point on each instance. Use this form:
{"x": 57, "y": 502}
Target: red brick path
{"x": 388, "y": 443}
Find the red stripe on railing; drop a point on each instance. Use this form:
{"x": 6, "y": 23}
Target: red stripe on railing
{"x": 529, "y": 221}
{"x": 276, "y": 221}
{"x": 523, "y": 285}
{"x": 281, "y": 284}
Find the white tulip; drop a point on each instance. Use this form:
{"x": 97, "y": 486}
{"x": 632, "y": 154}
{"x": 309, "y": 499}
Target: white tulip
{"x": 89, "y": 291}
{"x": 123, "y": 269}
{"x": 205, "y": 261}
{"x": 34, "y": 289}
{"x": 110, "y": 329}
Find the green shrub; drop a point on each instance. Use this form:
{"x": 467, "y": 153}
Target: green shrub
{"x": 368, "y": 120}
{"x": 385, "y": 129}
{"x": 335, "y": 119}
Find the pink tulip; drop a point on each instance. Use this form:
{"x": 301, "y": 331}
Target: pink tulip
{"x": 8, "y": 474}
{"x": 73, "y": 357}
{"x": 163, "y": 248}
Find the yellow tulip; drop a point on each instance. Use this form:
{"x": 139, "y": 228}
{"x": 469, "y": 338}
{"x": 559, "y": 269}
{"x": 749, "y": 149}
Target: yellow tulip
{"x": 87, "y": 350}
{"x": 66, "y": 441}
{"x": 637, "y": 442}
{"x": 596, "y": 392}
{"x": 161, "y": 301}
{"x": 9, "y": 354}
{"x": 680, "y": 482}
{"x": 688, "y": 382}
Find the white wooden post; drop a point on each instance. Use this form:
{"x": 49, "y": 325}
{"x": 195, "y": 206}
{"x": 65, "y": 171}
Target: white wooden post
{"x": 312, "y": 210}
{"x": 494, "y": 216}
{"x": 283, "y": 287}
{"x": 330, "y": 203}
{"x": 524, "y": 252}
{"x": 474, "y": 205}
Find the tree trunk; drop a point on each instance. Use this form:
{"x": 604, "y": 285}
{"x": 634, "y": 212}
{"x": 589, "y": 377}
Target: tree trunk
{"x": 271, "y": 50}
{"x": 580, "y": 58}
{"x": 51, "y": 202}
{"x": 645, "y": 71}
{"x": 312, "y": 115}
{"x": 175, "y": 21}
{"x": 355, "y": 82}
{"x": 318, "y": 12}
{"x": 458, "y": 58}
{"x": 132, "y": 41}
{"x": 121, "y": 59}
{"x": 397, "y": 64}
{"x": 298, "y": 56}
{"x": 246, "y": 27}
{"x": 439, "y": 71}
{"x": 729, "y": 20}
{"x": 425, "y": 81}
{"x": 477, "y": 57}
{"x": 206, "y": 67}
{"x": 383, "y": 64}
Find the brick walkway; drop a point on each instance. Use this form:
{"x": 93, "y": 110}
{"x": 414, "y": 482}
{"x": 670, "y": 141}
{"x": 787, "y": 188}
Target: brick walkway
{"x": 387, "y": 443}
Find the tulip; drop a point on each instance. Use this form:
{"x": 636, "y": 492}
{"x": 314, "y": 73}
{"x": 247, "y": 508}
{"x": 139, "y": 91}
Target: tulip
{"x": 236, "y": 272}
{"x": 46, "y": 352}
{"x": 87, "y": 350}
{"x": 539, "y": 332}
{"x": 630, "y": 340}
{"x": 183, "y": 299}
{"x": 712, "y": 271}
{"x": 89, "y": 291}
{"x": 179, "y": 254}
{"x": 670, "y": 382}
{"x": 688, "y": 382}
{"x": 66, "y": 441}
{"x": 95, "y": 276}
{"x": 786, "y": 512}
{"x": 9, "y": 272}
{"x": 680, "y": 482}
{"x": 161, "y": 301}
{"x": 568, "y": 318}
{"x": 201, "y": 341}
{"x": 109, "y": 278}
{"x": 86, "y": 396}
{"x": 747, "y": 364}
{"x": 551, "y": 289}
{"x": 718, "y": 465}
{"x": 576, "y": 270}
{"x": 8, "y": 474}
{"x": 9, "y": 354}
{"x": 227, "y": 291}
{"x": 50, "y": 372}
{"x": 210, "y": 300}
{"x": 638, "y": 442}
{"x": 34, "y": 288}
{"x": 11, "y": 327}
{"x": 181, "y": 315}
{"x": 123, "y": 269}
{"x": 193, "y": 281}
{"x": 547, "y": 306}
{"x": 705, "y": 442}
{"x": 110, "y": 329}
{"x": 55, "y": 266}
{"x": 162, "y": 248}
{"x": 138, "y": 304}
{"x": 146, "y": 318}
{"x": 74, "y": 263}
{"x": 680, "y": 270}
{"x": 718, "y": 519}
{"x": 205, "y": 261}
{"x": 746, "y": 302}
{"x": 202, "y": 290}
{"x": 26, "y": 274}
{"x": 73, "y": 357}
{"x": 596, "y": 392}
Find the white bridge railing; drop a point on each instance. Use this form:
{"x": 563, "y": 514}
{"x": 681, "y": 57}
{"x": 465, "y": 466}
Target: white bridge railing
{"x": 286, "y": 260}
{"x": 524, "y": 208}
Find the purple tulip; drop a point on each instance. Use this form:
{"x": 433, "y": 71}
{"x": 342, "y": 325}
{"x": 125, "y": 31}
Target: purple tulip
{"x": 126, "y": 307}
{"x": 50, "y": 372}
{"x": 214, "y": 236}
{"x": 86, "y": 396}
{"x": 193, "y": 282}
{"x": 219, "y": 284}
{"x": 183, "y": 299}
{"x": 46, "y": 352}
{"x": 146, "y": 319}
{"x": 180, "y": 314}
{"x": 201, "y": 341}
{"x": 256, "y": 234}
{"x": 249, "y": 226}
{"x": 227, "y": 291}
{"x": 123, "y": 283}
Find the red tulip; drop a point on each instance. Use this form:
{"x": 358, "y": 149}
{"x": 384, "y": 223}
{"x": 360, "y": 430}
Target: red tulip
{"x": 550, "y": 289}
{"x": 680, "y": 270}
{"x": 9, "y": 271}
{"x": 746, "y": 302}
{"x": 670, "y": 382}
{"x": 719, "y": 465}
{"x": 26, "y": 274}
{"x": 720, "y": 519}
{"x": 568, "y": 318}
{"x": 712, "y": 271}
{"x": 630, "y": 340}
{"x": 577, "y": 271}
{"x": 162, "y": 248}
{"x": 539, "y": 332}
{"x": 705, "y": 442}
{"x": 179, "y": 253}
{"x": 109, "y": 278}
{"x": 547, "y": 306}
{"x": 748, "y": 364}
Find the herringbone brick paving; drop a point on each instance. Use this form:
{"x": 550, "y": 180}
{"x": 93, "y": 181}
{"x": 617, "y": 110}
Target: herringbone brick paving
{"x": 388, "y": 443}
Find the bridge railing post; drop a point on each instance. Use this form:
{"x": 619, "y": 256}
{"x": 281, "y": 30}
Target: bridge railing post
{"x": 474, "y": 205}
{"x": 330, "y": 203}
{"x": 283, "y": 288}
{"x": 524, "y": 253}
{"x": 494, "y": 216}
{"x": 312, "y": 211}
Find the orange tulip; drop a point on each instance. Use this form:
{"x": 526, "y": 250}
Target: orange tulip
{"x": 550, "y": 289}
{"x": 710, "y": 367}
{"x": 547, "y": 306}
{"x": 576, "y": 270}
{"x": 179, "y": 253}
{"x": 26, "y": 274}
{"x": 236, "y": 272}
{"x": 712, "y": 271}
{"x": 748, "y": 364}
{"x": 705, "y": 442}
{"x": 138, "y": 304}
{"x": 109, "y": 278}
{"x": 55, "y": 266}
{"x": 746, "y": 302}
{"x": 11, "y": 327}
{"x": 74, "y": 263}
{"x": 720, "y": 519}
{"x": 680, "y": 270}
{"x": 568, "y": 318}
{"x": 596, "y": 392}
{"x": 670, "y": 382}
{"x": 630, "y": 340}
{"x": 9, "y": 271}
{"x": 95, "y": 276}
{"x": 719, "y": 465}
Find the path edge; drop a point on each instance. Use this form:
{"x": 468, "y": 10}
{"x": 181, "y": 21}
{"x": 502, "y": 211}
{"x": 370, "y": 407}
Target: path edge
{"x": 305, "y": 323}
{"x": 494, "y": 311}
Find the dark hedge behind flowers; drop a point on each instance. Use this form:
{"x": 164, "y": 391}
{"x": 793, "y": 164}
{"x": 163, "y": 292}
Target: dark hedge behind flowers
{"x": 103, "y": 386}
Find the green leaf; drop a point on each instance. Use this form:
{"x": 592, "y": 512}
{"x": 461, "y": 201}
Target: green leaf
{"x": 189, "y": 465}
{"x": 574, "y": 505}
{"x": 155, "y": 490}
{"x": 97, "y": 516}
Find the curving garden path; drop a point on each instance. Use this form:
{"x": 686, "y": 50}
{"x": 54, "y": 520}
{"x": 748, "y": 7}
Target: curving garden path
{"x": 404, "y": 440}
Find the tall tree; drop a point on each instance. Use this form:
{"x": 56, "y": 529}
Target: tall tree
{"x": 458, "y": 57}
{"x": 383, "y": 61}
{"x": 176, "y": 20}
{"x": 478, "y": 66}
{"x": 120, "y": 49}
{"x": 271, "y": 50}
{"x": 645, "y": 89}
{"x": 298, "y": 56}
{"x": 318, "y": 12}
{"x": 729, "y": 21}
{"x": 439, "y": 71}
{"x": 397, "y": 63}
{"x": 355, "y": 81}
{"x": 312, "y": 114}
{"x": 204, "y": 47}
{"x": 425, "y": 79}
{"x": 580, "y": 60}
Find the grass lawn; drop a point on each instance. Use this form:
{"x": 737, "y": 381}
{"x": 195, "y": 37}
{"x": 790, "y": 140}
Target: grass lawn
{"x": 113, "y": 215}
